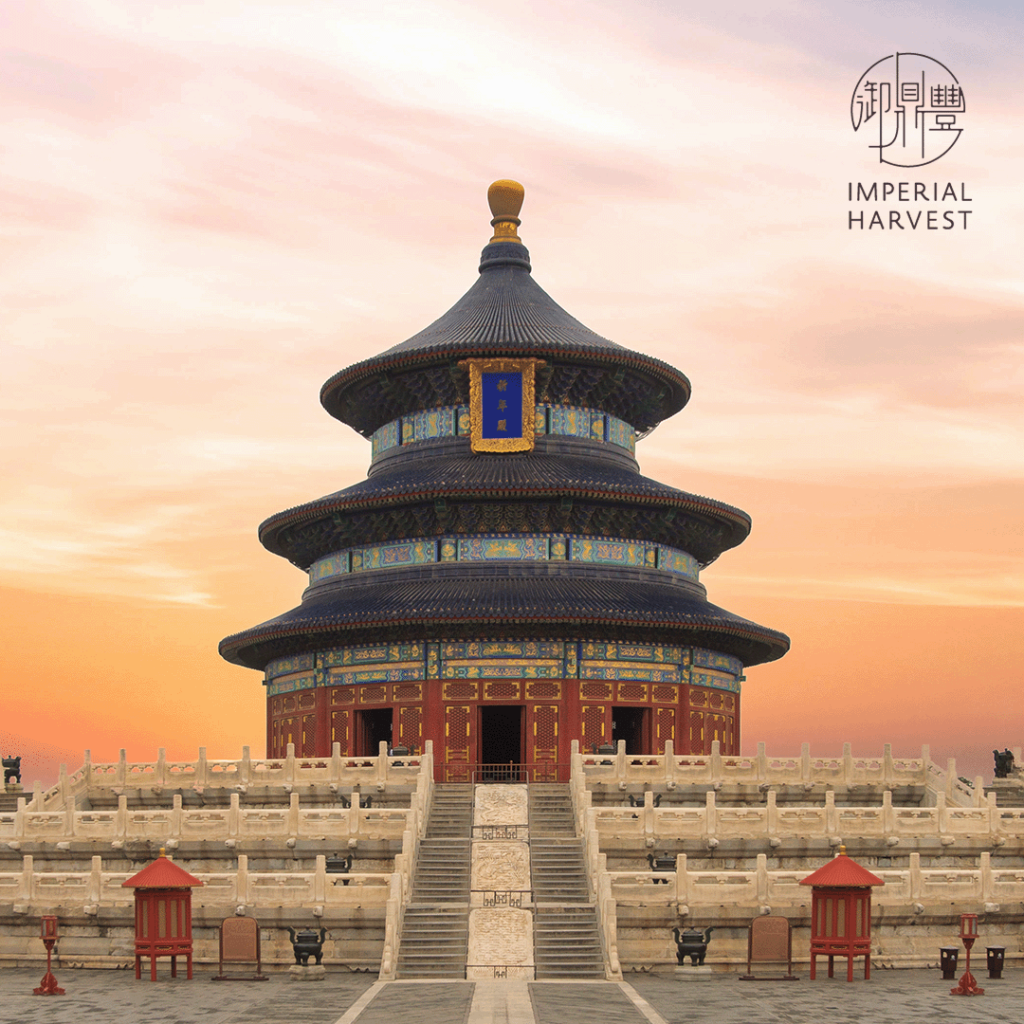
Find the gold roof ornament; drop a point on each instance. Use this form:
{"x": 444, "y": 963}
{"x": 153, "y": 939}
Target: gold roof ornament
{"x": 505, "y": 198}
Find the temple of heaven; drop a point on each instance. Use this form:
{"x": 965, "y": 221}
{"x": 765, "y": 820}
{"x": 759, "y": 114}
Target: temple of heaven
{"x": 504, "y": 581}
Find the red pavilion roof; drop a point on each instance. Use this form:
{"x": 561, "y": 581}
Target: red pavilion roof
{"x": 163, "y": 873}
{"x": 842, "y": 871}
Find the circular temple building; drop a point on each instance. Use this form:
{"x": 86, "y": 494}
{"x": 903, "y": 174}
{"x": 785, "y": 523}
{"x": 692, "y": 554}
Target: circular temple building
{"x": 504, "y": 581}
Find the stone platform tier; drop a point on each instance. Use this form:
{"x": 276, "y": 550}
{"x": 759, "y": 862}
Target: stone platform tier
{"x": 732, "y": 837}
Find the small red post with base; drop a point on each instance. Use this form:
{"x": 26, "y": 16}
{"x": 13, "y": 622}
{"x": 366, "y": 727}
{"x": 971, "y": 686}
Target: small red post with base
{"x": 48, "y": 933}
{"x": 968, "y": 933}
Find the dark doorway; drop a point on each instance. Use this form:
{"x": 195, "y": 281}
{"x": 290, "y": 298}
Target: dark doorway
{"x": 628, "y": 724}
{"x": 374, "y": 728}
{"x": 501, "y": 741}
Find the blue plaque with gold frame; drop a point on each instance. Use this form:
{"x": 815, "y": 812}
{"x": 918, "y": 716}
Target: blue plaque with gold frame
{"x": 501, "y": 404}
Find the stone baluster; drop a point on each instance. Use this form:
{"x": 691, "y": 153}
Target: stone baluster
{"x": 25, "y": 885}
{"x": 916, "y": 881}
{"x": 888, "y": 814}
{"x": 65, "y": 788}
{"x": 682, "y": 882}
{"x": 121, "y": 818}
{"x": 761, "y": 763}
{"x": 831, "y": 813}
{"x": 979, "y": 791}
{"x": 987, "y": 878}
{"x": 805, "y": 763}
{"x": 95, "y": 890}
{"x": 19, "y": 819}
{"x": 711, "y": 816}
{"x": 336, "y": 763}
{"x": 293, "y": 816}
{"x": 37, "y": 796}
{"x": 772, "y": 816}
{"x": 160, "y": 777}
{"x": 848, "y": 764}
{"x": 943, "y": 813}
{"x": 761, "y": 875}
{"x": 716, "y": 760}
{"x": 234, "y": 816}
{"x": 242, "y": 881}
{"x": 888, "y": 770}
{"x": 245, "y": 767}
{"x": 353, "y": 812}
{"x": 649, "y": 830}
{"x": 320, "y": 879}
{"x": 121, "y": 776}
{"x": 289, "y": 764}
{"x": 202, "y": 769}
{"x": 669, "y": 759}
{"x": 620, "y": 761}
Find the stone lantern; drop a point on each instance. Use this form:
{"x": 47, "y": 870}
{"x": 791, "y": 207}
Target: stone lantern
{"x": 841, "y": 912}
{"x": 163, "y": 914}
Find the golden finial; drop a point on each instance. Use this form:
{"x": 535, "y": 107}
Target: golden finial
{"x": 505, "y": 199}
{"x": 842, "y": 849}
{"x": 163, "y": 851}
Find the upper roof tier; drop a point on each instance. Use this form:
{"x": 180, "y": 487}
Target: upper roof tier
{"x": 506, "y": 313}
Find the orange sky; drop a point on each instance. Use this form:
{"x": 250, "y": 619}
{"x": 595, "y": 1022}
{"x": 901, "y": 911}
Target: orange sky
{"x": 206, "y": 209}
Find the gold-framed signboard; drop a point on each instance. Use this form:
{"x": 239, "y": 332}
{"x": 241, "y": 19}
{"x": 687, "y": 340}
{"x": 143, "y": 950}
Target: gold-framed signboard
{"x": 501, "y": 404}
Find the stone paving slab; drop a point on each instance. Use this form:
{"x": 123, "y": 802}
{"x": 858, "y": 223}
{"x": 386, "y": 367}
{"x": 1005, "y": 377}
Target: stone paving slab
{"x": 115, "y": 997}
{"x": 555, "y": 1003}
{"x": 410, "y": 1002}
{"x": 890, "y": 997}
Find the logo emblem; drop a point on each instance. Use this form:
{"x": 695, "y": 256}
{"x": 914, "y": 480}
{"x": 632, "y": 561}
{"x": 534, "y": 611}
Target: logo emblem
{"x": 501, "y": 404}
{"x": 908, "y": 104}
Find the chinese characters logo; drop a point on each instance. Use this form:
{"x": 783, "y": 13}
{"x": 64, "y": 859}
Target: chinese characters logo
{"x": 908, "y": 104}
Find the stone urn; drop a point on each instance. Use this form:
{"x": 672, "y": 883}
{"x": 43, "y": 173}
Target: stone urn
{"x": 307, "y": 943}
{"x": 692, "y": 943}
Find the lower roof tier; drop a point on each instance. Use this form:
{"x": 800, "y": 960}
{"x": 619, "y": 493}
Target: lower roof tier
{"x": 431, "y": 603}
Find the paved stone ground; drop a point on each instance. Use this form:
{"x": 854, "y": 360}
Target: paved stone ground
{"x": 891, "y": 997}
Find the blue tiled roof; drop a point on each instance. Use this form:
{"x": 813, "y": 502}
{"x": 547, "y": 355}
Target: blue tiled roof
{"x": 520, "y": 601}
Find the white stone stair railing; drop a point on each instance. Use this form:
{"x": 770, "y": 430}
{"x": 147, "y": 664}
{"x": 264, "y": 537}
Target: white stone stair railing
{"x": 598, "y": 878}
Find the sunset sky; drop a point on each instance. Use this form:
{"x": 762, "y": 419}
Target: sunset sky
{"x": 208, "y": 208}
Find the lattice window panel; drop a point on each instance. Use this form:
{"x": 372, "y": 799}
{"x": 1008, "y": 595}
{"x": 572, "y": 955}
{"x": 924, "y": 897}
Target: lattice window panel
{"x": 501, "y": 689}
{"x": 373, "y": 694}
{"x": 340, "y": 730}
{"x": 664, "y": 727}
{"x": 716, "y": 700}
{"x": 289, "y": 703}
{"x": 543, "y": 689}
{"x": 308, "y": 736}
{"x": 715, "y": 730}
{"x": 728, "y": 738}
{"x": 633, "y": 692}
{"x": 728, "y": 702}
{"x": 545, "y": 732}
{"x": 593, "y": 716}
{"x": 596, "y": 691}
{"x": 698, "y": 697}
{"x": 664, "y": 694}
{"x": 696, "y": 732}
{"x": 343, "y": 695}
{"x": 287, "y": 731}
{"x": 456, "y": 732}
{"x": 460, "y": 690}
{"x": 307, "y": 700}
{"x": 410, "y": 727}
{"x": 407, "y": 691}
